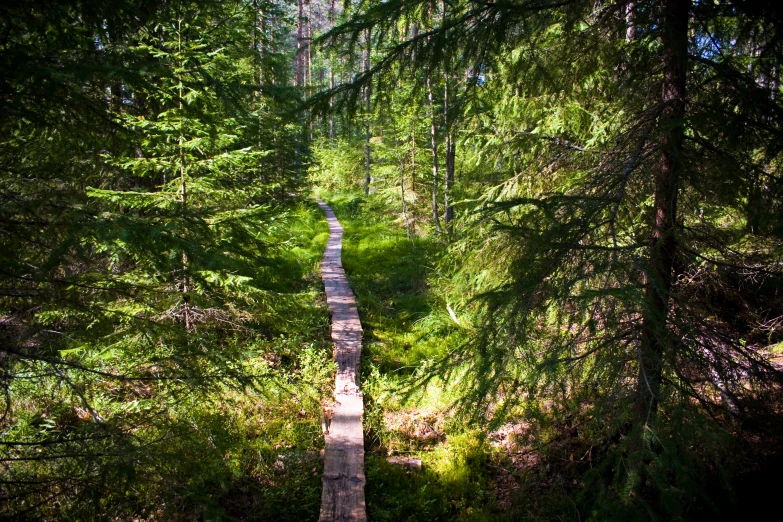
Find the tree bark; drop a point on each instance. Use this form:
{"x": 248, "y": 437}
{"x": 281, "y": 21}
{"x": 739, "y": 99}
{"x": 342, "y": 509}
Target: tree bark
{"x": 300, "y": 45}
{"x": 401, "y": 159}
{"x": 259, "y": 41}
{"x": 367, "y": 100}
{"x": 331, "y": 76}
{"x": 655, "y": 340}
{"x": 434, "y": 144}
{"x": 433, "y": 135}
{"x": 309, "y": 71}
{"x": 448, "y": 210}
{"x": 308, "y": 40}
{"x": 183, "y": 182}
{"x": 451, "y": 153}
{"x": 412, "y": 209}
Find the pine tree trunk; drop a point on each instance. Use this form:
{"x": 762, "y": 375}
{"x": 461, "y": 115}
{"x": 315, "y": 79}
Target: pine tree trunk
{"x": 401, "y": 159}
{"x": 433, "y": 136}
{"x": 448, "y": 210}
{"x": 331, "y": 75}
{"x": 300, "y": 45}
{"x": 331, "y": 104}
{"x": 183, "y": 183}
{"x": 367, "y": 94}
{"x": 412, "y": 210}
{"x": 259, "y": 39}
{"x": 451, "y": 152}
{"x": 308, "y": 40}
{"x": 309, "y": 82}
{"x": 435, "y": 166}
{"x": 663, "y": 249}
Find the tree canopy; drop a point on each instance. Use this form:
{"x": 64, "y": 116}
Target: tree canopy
{"x": 590, "y": 192}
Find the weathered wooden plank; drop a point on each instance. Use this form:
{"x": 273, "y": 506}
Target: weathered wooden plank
{"x": 342, "y": 498}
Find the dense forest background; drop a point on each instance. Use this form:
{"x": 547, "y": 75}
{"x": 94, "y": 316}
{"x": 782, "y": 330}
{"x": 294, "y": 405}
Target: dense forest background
{"x": 563, "y": 227}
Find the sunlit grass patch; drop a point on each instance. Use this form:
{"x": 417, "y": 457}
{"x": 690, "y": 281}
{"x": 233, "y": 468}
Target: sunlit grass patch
{"x": 406, "y": 327}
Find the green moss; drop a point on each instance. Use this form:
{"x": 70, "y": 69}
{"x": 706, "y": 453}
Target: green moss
{"x": 405, "y": 325}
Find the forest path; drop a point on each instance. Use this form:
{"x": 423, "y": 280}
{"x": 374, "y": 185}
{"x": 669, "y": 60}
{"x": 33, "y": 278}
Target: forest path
{"x": 343, "y": 480}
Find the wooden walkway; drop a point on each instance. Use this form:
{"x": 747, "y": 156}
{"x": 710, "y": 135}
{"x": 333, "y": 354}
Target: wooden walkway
{"x": 343, "y": 481}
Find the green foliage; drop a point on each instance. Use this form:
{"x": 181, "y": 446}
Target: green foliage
{"x": 158, "y": 291}
{"x": 338, "y": 165}
{"x": 391, "y": 278}
{"x": 568, "y": 126}
{"x": 450, "y": 486}
{"x": 608, "y": 287}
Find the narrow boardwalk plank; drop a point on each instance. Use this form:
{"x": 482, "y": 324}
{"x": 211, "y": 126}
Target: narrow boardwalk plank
{"x": 343, "y": 481}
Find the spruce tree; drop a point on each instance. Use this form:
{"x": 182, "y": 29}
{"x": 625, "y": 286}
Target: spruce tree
{"x": 615, "y": 145}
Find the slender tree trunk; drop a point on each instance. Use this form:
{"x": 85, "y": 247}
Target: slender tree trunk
{"x": 433, "y": 135}
{"x": 331, "y": 104}
{"x": 309, "y": 40}
{"x": 448, "y": 210}
{"x": 183, "y": 183}
{"x": 434, "y": 144}
{"x": 655, "y": 341}
{"x": 331, "y": 76}
{"x": 414, "y": 34}
{"x": 346, "y": 122}
{"x": 412, "y": 212}
{"x": 269, "y": 20}
{"x": 115, "y": 98}
{"x": 630, "y": 21}
{"x": 451, "y": 153}
{"x": 259, "y": 41}
{"x": 299, "y": 79}
{"x": 401, "y": 159}
{"x": 367, "y": 95}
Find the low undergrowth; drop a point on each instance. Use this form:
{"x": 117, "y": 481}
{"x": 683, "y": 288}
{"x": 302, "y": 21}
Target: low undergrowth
{"x": 271, "y": 467}
{"x": 406, "y": 327}
{"x": 240, "y": 448}
{"x": 539, "y": 460}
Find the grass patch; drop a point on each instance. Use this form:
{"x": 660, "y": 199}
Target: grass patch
{"x": 390, "y": 276}
{"x": 451, "y": 485}
{"x": 240, "y": 449}
{"x": 406, "y": 325}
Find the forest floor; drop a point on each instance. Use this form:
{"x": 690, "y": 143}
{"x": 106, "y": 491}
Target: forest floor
{"x": 532, "y": 468}
{"x": 467, "y": 473}
{"x": 267, "y": 462}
